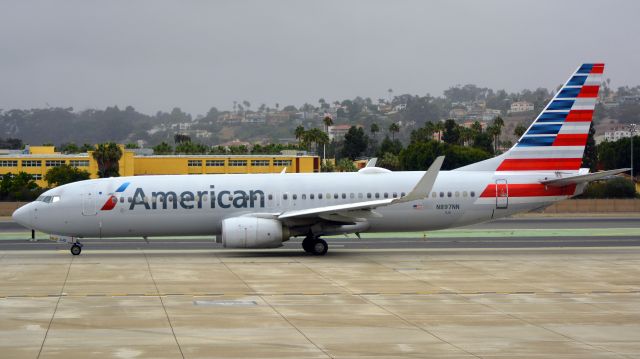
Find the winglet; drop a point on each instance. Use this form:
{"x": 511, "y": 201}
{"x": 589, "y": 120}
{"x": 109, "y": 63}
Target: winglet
{"x": 424, "y": 186}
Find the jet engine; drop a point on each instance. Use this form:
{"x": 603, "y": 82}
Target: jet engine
{"x": 253, "y": 232}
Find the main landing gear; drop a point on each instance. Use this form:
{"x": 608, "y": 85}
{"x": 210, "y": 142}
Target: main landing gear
{"x": 314, "y": 245}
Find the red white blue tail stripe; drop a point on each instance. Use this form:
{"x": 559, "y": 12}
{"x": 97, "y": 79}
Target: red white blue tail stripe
{"x": 557, "y": 138}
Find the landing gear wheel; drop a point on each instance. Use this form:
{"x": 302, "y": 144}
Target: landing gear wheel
{"x": 76, "y": 249}
{"x": 319, "y": 247}
{"x": 307, "y": 243}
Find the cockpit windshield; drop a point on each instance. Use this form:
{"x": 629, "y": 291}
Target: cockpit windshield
{"x": 48, "y": 199}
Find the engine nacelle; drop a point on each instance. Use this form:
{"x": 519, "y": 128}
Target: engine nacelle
{"x": 252, "y": 232}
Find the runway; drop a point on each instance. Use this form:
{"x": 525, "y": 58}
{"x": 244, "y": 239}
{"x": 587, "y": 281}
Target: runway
{"x": 536, "y": 232}
{"x": 485, "y": 291}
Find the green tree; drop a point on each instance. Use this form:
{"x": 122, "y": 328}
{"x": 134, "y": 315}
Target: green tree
{"x": 393, "y": 129}
{"x": 389, "y": 161}
{"x": 355, "y": 143}
{"x": 497, "y": 125}
{"x": 613, "y": 188}
{"x": 107, "y": 156}
{"x": 19, "y": 187}
{"x": 69, "y": 148}
{"x": 57, "y": 176}
{"x": 345, "y": 165}
{"x": 163, "y": 149}
{"x": 299, "y": 132}
{"x": 374, "y": 129}
{"x": 519, "y": 130}
{"x": 389, "y": 146}
{"x": 590, "y": 156}
{"x": 476, "y": 127}
{"x": 131, "y": 146}
{"x": 451, "y": 132}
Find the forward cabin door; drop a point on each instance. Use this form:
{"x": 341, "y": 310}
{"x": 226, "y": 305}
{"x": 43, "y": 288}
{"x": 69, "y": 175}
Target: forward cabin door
{"x": 89, "y": 205}
{"x": 502, "y": 194}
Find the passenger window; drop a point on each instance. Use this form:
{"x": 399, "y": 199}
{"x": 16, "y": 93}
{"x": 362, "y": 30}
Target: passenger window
{"x": 441, "y": 194}
{"x": 395, "y": 195}
{"x": 360, "y": 196}
{"x": 121, "y": 199}
{"x": 131, "y": 199}
{"x": 319, "y": 195}
{"x": 433, "y": 194}
{"x": 295, "y": 196}
{"x": 204, "y": 198}
{"x": 284, "y": 196}
{"x": 352, "y": 195}
{"x": 270, "y": 197}
{"x": 328, "y": 196}
{"x": 377, "y": 195}
{"x": 311, "y": 196}
{"x": 386, "y": 195}
{"x": 473, "y": 194}
{"x": 457, "y": 194}
{"x": 368, "y": 195}
{"x": 464, "y": 193}
{"x": 304, "y": 196}
{"x": 344, "y": 196}
{"x": 448, "y": 194}
{"x": 335, "y": 196}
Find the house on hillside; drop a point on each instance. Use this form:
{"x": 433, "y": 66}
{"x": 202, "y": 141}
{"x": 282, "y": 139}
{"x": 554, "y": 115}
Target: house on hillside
{"x": 521, "y": 106}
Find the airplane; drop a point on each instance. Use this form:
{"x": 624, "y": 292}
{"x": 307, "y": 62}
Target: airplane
{"x": 265, "y": 210}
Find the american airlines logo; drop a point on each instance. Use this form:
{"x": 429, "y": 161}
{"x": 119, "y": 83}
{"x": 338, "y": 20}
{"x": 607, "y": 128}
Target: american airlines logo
{"x": 189, "y": 199}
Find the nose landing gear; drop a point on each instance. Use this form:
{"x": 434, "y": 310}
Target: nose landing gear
{"x": 76, "y": 247}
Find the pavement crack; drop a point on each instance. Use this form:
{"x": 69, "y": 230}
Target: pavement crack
{"x": 164, "y": 308}
{"x": 55, "y": 309}
{"x": 279, "y": 313}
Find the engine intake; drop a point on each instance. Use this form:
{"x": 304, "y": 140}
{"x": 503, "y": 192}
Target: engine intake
{"x": 252, "y": 232}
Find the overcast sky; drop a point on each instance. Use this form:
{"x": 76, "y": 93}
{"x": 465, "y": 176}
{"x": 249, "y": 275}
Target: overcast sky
{"x": 155, "y": 55}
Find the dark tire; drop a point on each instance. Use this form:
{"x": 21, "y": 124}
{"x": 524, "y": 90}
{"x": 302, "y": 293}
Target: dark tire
{"x": 319, "y": 247}
{"x": 307, "y": 243}
{"x": 76, "y": 249}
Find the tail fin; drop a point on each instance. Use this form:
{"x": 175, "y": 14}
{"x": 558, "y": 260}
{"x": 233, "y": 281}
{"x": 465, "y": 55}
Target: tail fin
{"x": 555, "y": 141}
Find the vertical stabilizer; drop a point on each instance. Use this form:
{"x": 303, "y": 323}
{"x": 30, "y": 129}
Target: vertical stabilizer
{"x": 555, "y": 141}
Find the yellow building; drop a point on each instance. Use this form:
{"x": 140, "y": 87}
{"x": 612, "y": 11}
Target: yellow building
{"x": 37, "y": 160}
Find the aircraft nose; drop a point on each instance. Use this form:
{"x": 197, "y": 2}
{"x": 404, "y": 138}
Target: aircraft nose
{"x": 22, "y": 216}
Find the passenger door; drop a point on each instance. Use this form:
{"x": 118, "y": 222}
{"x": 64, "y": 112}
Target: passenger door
{"x": 89, "y": 203}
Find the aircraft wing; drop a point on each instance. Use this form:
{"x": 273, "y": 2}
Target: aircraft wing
{"x": 420, "y": 191}
{"x": 559, "y": 182}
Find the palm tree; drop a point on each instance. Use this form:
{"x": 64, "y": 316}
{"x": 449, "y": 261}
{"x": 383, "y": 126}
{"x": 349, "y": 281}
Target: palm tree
{"x": 439, "y": 127}
{"x": 519, "y": 130}
{"x": 374, "y": 129}
{"x": 299, "y": 132}
{"x": 107, "y": 156}
{"x": 466, "y": 134}
{"x": 328, "y": 121}
{"x": 394, "y": 128}
{"x": 498, "y": 124}
{"x": 476, "y": 127}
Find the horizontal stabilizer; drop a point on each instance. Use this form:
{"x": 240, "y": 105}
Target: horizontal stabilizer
{"x": 559, "y": 182}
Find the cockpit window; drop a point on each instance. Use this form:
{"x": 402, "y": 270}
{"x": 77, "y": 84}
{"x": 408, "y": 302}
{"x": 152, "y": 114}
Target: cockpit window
{"x": 48, "y": 199}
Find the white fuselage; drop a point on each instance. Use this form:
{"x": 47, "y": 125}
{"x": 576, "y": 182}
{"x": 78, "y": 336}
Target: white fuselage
{"x": 201, "y": 202}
